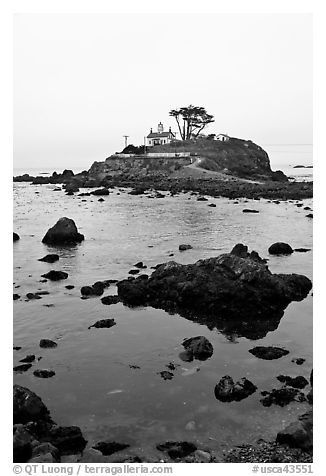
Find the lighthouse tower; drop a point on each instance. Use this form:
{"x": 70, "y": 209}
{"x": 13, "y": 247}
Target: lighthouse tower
{"x": 160, "y": 128}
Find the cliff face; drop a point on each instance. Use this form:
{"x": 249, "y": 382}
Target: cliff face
{"x": 134, "y": 167}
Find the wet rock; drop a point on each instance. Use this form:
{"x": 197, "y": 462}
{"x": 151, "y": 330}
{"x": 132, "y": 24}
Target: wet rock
{"x": 71, "y": 188}
{"x": 101, "y": 200}
{"x": 307, "y": 208}
{"x": 33, "y": 296}
{"x": 16, "y": 347}
{"x": 228, "y": 391}
{"x": 15, "y": 296}
{"x": 42, "y": 450}
{"x": 280, "y": 249}
{"x": 310, "y": 215}
{"x": 108, "y": 300}
{"x": 249, "y": 210}
{"x": 185, "y": 247}
{"x": 268, "y": 353}
{"x": 47, "y": 457}
{"x": 227, "y": 287}
{"x": 298, "y": 434}
{"x": 140, "y": 265}
{"x": 103, "y": 323}
{"x": 296, "y": 382}
{"x": 302, "y": 250}
{"x": 22, "y": 368}
{"x": 109, "y": 447}
{"x": 68, "y": 439}
{"x": 64, "y": 232}
{"x": 166, "y": 375}
{"x": 267, "y": 452}
{"x": 27, "y": 406}
{"x": 212, "y": 205}
{"x": 16, "y": 237}
{"x": 47, "y": 344}
{"x": 43, "y": 373}
{"x": 96, "y": 289}
{"x": 282, "y": 396}
{"x": 51, "y": 258}
{"x": 134, "y": 271}
{"x": 101, "y": 191}
{"x": 177, "y": 449}
{"x": 54, "y": 275}
{"x": 202, "y": 199}
{"x": 69, "y": 286}
{"x": 298, "y": 360}
{"x": 29, "y": 358}
{"x": 199, "y": 347}
{"x": 186, "y": 356}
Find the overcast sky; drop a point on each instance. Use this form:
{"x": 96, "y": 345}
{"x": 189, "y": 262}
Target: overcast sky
{"x": 83, "y": 81}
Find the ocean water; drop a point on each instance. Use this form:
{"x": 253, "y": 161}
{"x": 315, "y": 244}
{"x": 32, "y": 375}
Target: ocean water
{"x": 94, "y": 386}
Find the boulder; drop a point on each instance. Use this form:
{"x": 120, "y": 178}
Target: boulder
{"x": 228, "y": 391}
{"x": 68, "y": 439}
{"x": 22, "y": 368}
{"x": 22, "y": 444}
{"x": 29, "y": 358}
{"x": 51, "y": 258}
{"x": 16, "y": 236}
{"x": 96, "y": 289}
{"x": 64, "y": 232}
{"x": 198, "y": 348}
{"x": 69, "y": 286}
{"x": 108, "y": 300}
{"x": 268, "y": 353}
{"x": 282, "y": 396}
{"x": 16, "y": 296}
{"x": 226, "y": 287}
{"x": 280, "y": 248}
{"x": 28, "y": 406}
{"x": 298, "y": 434}
{"x": 54, "y": 275}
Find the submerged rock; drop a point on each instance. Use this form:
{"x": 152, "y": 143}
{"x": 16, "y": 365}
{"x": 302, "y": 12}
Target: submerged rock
{"x": 177, "y": 449}
{"x": 280, "y": 248}
{"x": 54, "y": 275}
{"x": 268, "y": 353}
{"x": 228, "y": 391}
{"x": 103, "y": 323}
{"x": 298, "y": 434}
{"x": 51, "y": 258}
{"x": 229, "y": 286}
{"x": 62, "y": 233}
{"x": 296, "y": 382}
{"x": 166, "y": 375}
{"x": 109, "y": 447}
{"x": 198, "y": 348}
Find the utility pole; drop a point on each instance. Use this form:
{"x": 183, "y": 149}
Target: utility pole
{"x": 126, "y": 140}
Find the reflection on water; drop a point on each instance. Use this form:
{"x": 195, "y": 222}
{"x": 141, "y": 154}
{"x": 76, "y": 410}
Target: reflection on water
{"x": 98, "y": 384}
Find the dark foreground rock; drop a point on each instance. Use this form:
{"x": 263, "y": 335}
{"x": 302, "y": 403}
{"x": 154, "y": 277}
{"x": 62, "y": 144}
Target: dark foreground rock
{"x": 230, "y": 286}
{"x": 64, "y": 232}
{"x": 109, "y": 447}
{"x": 280, "y": 248}
{"x": 298, "y": 434}
{"x": 37, "y": 438}
{"x": 228, "y": 391}
{"x": 198, "y": 348}
{"x": 51, "y": 258}
{"x": 177, "y": 449}
{"x": 16, "y": 237}
{"x": 268, "y": 353}
{"x": 54, "y": 275}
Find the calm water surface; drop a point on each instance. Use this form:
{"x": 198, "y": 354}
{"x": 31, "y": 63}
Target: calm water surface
{"x": 94, "y": 386}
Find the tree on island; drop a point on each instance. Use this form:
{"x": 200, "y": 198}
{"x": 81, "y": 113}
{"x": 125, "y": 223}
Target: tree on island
{"x": 191, "y": 120}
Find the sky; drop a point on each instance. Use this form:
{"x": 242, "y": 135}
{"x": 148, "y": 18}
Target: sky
{"x": 82, "y": 81}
